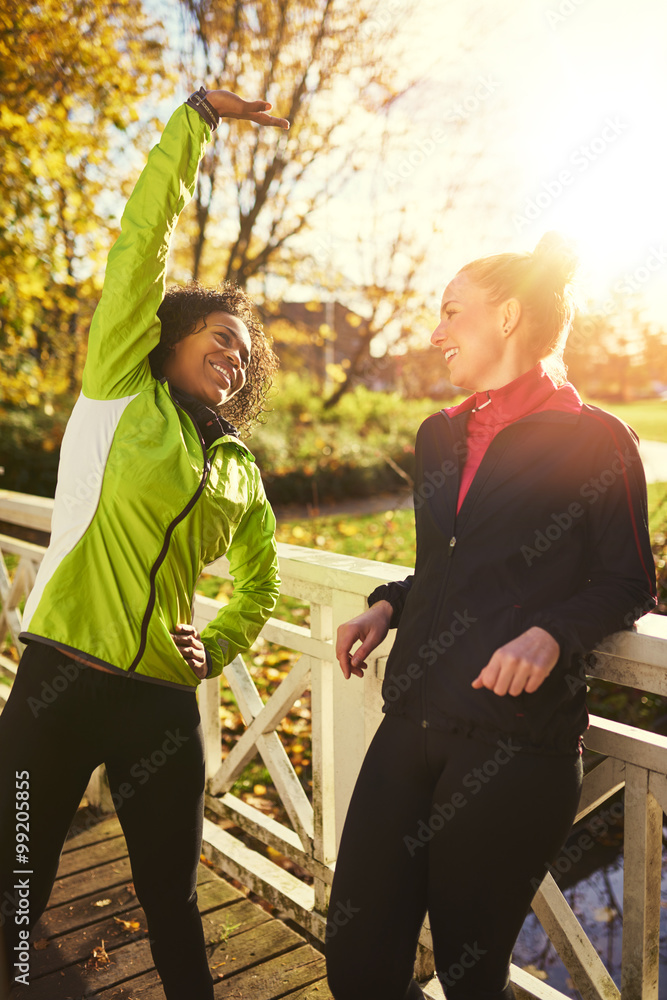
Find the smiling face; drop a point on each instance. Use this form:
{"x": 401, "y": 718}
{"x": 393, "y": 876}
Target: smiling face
{"x": 211, "y": 362}
{"x": 477, "y": 338}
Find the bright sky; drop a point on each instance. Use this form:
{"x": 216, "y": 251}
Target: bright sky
{"x": 566, "y": 100}
{"x": 547, "y": 114}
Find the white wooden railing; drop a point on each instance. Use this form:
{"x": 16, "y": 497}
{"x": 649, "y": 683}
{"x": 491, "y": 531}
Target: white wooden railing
{"x": 344, "y": 718}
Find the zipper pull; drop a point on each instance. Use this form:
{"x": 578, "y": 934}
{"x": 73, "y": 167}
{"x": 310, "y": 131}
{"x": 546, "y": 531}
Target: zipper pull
{"x": 452, "y": 543}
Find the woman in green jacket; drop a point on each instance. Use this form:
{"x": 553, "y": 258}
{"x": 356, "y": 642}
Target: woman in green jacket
{"x": 154, "y": 483}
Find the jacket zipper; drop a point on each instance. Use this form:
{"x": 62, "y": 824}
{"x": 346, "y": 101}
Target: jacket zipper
{"x": 441, "y": 595}
{"x": 450, "y": 553}
{"x": 443, "y": 588}
{"x": 165, "y": 547}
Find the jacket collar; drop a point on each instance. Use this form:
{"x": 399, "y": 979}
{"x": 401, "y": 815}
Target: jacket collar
{"x": 211, "y": 425}
{"x": 532, "y": 392}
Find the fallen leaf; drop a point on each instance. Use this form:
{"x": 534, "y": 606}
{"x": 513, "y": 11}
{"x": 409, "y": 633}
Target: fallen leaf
{"x": 102, "y": 902}
{"x": 128, "y": 925}
{"x": 41, "y": 944}
{"x": 534, "y": 971}
{"x": 605, "y": 914}
{"x": 99, "y": 958}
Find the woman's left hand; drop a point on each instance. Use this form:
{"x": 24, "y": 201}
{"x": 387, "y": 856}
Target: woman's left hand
{"x": 191, "y": 648}
{"x": 520, "y": 665}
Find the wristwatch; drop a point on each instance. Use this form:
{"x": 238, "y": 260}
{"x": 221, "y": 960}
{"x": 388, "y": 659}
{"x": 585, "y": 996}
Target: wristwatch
{"x": 204, "y": 108}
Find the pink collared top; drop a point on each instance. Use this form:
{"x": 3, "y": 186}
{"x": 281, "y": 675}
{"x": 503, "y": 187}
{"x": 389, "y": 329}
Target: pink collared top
{"x": 492, "y": 410}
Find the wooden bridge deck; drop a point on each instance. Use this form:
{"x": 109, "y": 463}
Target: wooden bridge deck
{"x": 91, "y": 941}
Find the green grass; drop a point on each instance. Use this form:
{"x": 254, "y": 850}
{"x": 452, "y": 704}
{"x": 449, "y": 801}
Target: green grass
{"x": 386, "y": 537}
{"x": 647, "y": 417}
{"x": 657, "y": 508}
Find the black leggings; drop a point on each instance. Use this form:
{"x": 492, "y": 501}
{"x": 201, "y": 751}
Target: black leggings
{"x": 61, "y": 720}
{"x": 460, "y": 828}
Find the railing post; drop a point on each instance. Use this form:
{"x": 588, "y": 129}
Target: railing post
{"x": 322, "y": 734}
{"x": 209, "y": 709}
{"x": 98, "y": 792}
{"x": 349, "y": 715}
{"x": 642, "y": 860}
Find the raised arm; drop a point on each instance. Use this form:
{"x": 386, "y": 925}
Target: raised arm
{"x": 125, "y": 327}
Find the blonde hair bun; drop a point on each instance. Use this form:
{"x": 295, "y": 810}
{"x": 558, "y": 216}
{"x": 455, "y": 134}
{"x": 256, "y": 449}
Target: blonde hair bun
{"x": 555, "y": 256}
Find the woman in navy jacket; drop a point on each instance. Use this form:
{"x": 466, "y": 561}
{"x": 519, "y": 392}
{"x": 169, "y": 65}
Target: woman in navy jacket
{"x": 532, "y": 545}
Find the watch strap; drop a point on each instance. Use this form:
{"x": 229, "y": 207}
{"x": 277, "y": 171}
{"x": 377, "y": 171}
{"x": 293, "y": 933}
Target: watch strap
{"x": 204, "y": 108}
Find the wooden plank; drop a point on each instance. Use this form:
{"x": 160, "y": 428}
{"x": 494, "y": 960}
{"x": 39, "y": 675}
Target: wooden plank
{"x": 83, "y": 912}
{"x": 305, "y": 590}
{"x": 268, "y": 831}
{"x": 349, "y": 731}
{"x": 642, "y": 860}
{"x": 631, "y": 672}
{"x": 324, "y": 765}
{"x": 272, "y": 883}
{"x": 215, "y": 892}
{"x": 76, "y": 981}
{"x": 8, "y": 668}
{"x": 208, "y": 697}
{"x": 315, "y": 991}
{"x": 95, "y": 854}
{"x": 98, "y": 792}
{"x": 281, "y": 975}
{"x": 26, "y": 509}
{"x": 261, "y": 721}
{"x": 433, "y": 990}
{"x": 240, "y": 916}
{"x": 10, "y": 596}
{"x": 85, "y": 883}
{"x": 568, "y": 937}
{"x": 259, "y": 944}
{"x": 260, "y": 718}
{"x": 77, "y": 946}
{"x": 95, "y": 832}
{"x": 637, "y": 746}
{"x": 347, "y": 574}
{"x": 604, "y": 780}
{"x": 271, "y": 749}
{"x": 297, "y": 637}
{"x": 212, "y": 892}
{"x": 17, "y": 547}
{"x": 527, "y": 986}
{"x": 278, "y": 976}
{"x": 134, "y": 959}
{"x": 657, "y": 784}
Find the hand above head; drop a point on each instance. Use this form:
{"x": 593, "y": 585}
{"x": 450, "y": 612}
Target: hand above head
{"x": 371, "y": 627}
{"x": 228, "y": 105}
{"x": 191, "y": 648}
{"x": 520, "y": 665}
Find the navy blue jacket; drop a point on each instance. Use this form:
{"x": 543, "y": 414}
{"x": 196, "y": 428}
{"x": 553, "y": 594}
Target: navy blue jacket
{"x": 552, "y": 532}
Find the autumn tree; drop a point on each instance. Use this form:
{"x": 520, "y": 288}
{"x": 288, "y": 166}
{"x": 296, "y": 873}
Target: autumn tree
{"x": 613, "y": 352}
{"x": 73, "y": 75}
{"x": 336, "y": 69}
{"x": 325, "y": 65}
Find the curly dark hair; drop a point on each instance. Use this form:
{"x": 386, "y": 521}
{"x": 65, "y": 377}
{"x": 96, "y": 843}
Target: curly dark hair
{"x": 182, "y": 308}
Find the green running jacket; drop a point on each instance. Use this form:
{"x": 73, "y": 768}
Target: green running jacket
{"x": 141, "y": 505}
